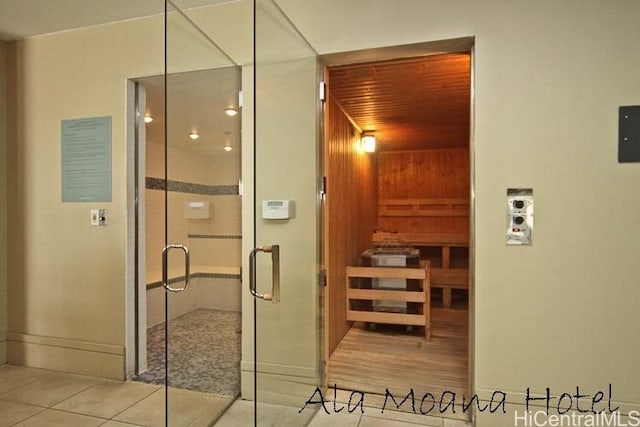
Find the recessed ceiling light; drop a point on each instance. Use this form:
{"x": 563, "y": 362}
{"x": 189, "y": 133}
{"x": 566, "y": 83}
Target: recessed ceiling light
{"x": 231, "y": 112}
{"x": 227, "y": 145}
{"x": 194, "y": 135}
{"x": 148, "y": 119}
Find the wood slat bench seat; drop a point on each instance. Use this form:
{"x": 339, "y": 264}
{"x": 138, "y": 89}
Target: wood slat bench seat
{"x": 410, "y": 215}
{"x": 422, "y": 239}
{"x": 424, "y": 207}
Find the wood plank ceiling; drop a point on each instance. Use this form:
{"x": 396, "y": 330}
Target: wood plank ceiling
{"x": 410, "y": 104}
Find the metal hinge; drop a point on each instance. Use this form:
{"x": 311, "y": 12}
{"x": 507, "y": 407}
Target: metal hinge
{"x": 240, "y": 99}
{"x": 323, "y": 186}
{"x": 323, "y": 277}
{"x": 322, "y": 94}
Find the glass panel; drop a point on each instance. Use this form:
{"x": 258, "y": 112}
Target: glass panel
{"x": 194, "y": 148}
{"x": 286, "y": 209}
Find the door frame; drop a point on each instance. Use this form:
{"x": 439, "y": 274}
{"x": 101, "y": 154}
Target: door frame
{"x": 136, "y": 313}
{"x": 463, "y": 44}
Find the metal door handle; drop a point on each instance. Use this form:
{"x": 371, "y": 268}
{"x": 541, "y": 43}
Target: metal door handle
{"x": 274, "y": 250}
{"x": 165, "y": 274}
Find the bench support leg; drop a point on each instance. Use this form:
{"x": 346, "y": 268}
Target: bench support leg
{"x": 446, "y": 297}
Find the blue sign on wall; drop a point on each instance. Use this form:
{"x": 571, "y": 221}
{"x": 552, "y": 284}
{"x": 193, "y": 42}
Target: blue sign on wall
{"x": 86, "y": 160}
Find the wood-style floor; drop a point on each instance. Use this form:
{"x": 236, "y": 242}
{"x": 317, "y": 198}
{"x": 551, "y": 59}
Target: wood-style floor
{"x": 389, "y": 357}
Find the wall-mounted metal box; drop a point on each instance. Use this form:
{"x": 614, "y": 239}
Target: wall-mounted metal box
{"x": 519, "y": 216}
{"x": 629, "y": 134}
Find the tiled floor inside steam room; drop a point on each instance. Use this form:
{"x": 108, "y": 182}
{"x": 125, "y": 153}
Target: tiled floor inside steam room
{"x": 32, "y": 397}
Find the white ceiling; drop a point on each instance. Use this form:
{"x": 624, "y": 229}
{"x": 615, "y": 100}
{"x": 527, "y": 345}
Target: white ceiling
{"x": 27, "y": 18}
{"x": 196, "y": 103}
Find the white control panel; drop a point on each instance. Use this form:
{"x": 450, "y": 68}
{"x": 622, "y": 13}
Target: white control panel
{"x": 99, "y": 216}
{"x": 278, "y": 209}
{"x": 519, "y": 216}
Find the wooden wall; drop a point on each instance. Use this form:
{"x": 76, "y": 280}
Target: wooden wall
{"x": 351, "y": 214}
{"x": 424, "y": 174}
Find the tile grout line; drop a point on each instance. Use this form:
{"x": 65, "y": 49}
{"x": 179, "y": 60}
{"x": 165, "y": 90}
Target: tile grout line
{"x": 77, "y": 413}
{"x": 81, "y": 391}
{"x": 44, "y": 375}
{"x": 32, "y": 415}
{"x": 113, "y": 418}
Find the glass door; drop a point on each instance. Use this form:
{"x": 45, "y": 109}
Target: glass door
{"x": 200, "y": 246}
{"x": 284, "y": 263}
{"x": 276, "y": 211}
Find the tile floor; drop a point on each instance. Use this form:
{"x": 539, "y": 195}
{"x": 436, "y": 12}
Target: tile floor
{"x": 195, "y": 364}
{"x": 35, "y": 397}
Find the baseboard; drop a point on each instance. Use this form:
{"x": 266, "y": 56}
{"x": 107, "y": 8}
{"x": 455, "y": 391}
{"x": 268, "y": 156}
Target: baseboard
{"x": 278, "y": 389}
{"x": 299, "y": 372}
{"x": 3, "y": 348}
{"x": 77, "y": 357}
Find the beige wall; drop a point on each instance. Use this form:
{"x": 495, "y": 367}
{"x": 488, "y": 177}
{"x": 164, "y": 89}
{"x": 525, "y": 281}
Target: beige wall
{"x": 63, "y": 270}
{"x": 3, "y": 202}
{"x": 224, "y": 209}
{"x": 67, "y": 302}
{"x": 549, "y": 78}
{"x": 208, "y": 255}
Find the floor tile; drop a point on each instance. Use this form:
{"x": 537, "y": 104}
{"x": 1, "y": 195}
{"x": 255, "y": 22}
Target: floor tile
{"x": 342, "y": 419}
{"x": 118, "y": 424}
{"x": 204, "y": 352}
{"x": 14, "y": 377}
{"x": 456, "y": 423}
{"x": 404, "y": 417}
{"x": 380, "y": 422}
{"x": 50, "y": 417}
{"x": 107, "y": 399}
{"x": 14, "y": 412}
{"x": 241, "y": 414}
{"x": 51, "y": 389}
{"x": 186, "y": 408}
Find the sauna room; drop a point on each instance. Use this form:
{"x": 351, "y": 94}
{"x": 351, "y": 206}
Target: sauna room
{"x": 397, "y": 164}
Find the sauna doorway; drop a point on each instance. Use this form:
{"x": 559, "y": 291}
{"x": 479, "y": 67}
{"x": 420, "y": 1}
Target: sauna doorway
{"x": 412, "y": 195}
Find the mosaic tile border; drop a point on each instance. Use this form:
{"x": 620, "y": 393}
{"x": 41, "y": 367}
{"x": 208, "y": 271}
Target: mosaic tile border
{"x": 173, "y": 280}
{"x": 215, "y": 236}
{"x": 191, "y": 188}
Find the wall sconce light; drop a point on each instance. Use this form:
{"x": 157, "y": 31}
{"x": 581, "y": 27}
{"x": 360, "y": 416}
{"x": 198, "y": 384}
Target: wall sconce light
{"x": 368, "y": 142}
{"x": 231, "y": 112}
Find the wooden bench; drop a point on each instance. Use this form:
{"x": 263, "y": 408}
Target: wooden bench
{"x": 423, "y": 296}
{"x": 446, "y": 278}
{"x": 423, "y": 207}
